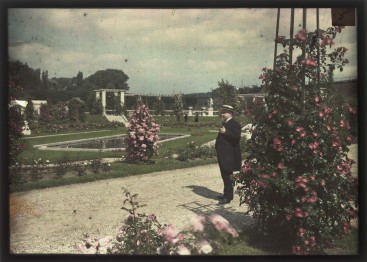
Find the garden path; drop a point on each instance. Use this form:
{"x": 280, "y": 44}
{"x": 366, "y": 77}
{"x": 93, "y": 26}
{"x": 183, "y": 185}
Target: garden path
{"x": 59, "y": 216}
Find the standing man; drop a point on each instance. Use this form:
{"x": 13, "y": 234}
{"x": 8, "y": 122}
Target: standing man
{"x": 228, "y": 150}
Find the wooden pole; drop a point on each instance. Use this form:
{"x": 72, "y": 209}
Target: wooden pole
{"x": 303, "y": 66}
{"x": 291, "y": 37}
{"x": 276, "y": 41}
{"x": 318, "y": 48}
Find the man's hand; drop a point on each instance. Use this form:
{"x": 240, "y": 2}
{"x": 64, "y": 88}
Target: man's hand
{"x": 222, "y": 130}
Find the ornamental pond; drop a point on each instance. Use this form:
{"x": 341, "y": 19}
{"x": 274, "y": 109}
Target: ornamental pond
{"x": 105, "y": 143}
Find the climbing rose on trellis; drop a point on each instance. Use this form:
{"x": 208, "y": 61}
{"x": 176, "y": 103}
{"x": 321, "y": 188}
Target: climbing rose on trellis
{"x": 142, "y": 135}
{"x": 298, "y": 182}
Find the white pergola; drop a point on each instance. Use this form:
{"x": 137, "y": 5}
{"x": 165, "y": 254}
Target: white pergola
{"x": 101, "y": 93}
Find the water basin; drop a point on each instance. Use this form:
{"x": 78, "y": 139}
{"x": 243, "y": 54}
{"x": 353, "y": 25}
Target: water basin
{"x": 106, "y": 143}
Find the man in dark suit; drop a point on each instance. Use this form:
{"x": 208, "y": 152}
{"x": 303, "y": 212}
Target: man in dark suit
{"x": 228, "y": 150}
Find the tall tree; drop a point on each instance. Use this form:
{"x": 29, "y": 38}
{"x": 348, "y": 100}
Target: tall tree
{"x": 229, "y": 95}
{"x": 44, "y": 80}
{"x": 79, "y": 79}
{"x": 102, "y": 78}
{"x": 29, "y": 111}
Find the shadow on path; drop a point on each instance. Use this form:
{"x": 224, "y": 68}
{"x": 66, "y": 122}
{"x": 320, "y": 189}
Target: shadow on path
{"x": 204, "y": 192}
{"x": 237, "y": 219}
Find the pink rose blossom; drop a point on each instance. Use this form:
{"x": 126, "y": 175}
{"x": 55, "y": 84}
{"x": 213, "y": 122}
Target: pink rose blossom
{"x": 301, "y": 35}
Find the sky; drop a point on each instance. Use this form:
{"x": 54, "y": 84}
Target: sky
{"x": 162, "y": 51}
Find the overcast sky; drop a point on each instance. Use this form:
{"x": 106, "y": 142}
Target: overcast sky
{"x": 161, "y": 50}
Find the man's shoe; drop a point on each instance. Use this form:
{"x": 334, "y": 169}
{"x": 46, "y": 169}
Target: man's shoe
{"x": 224, "y": 201}
{"x": 220, "y": 197}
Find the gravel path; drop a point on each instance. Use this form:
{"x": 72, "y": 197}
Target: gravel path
{"x": 61, "y": 215}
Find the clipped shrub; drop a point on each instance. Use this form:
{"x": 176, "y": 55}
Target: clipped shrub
{"x": 297, "y": 182}
{"x": 142, "y": 135}
{"x": 192, "y": 151}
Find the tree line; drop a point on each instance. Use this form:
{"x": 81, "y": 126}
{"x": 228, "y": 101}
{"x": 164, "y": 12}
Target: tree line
{"x": 35, "y": 84}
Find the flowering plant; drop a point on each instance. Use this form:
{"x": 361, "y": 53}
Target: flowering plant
{"x": 298, "y": 181}
{"x": 142, "y": 234}
{"x": 178, "y": 106}
{"x": 142, "y": 135}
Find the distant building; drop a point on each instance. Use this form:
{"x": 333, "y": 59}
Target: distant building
{"x": 22, "y": 104}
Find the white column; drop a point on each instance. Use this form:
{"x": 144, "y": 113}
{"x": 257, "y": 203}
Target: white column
{"x": 104, "y": 101}
{"x": 122, "y": 97}
{"x": 190, "y": 110}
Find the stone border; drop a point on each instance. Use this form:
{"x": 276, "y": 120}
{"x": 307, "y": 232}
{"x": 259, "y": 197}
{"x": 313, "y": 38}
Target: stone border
{"x": 54, "y": 146}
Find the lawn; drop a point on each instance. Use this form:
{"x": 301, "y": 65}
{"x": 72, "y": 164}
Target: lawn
{"x": 200, "y": 133}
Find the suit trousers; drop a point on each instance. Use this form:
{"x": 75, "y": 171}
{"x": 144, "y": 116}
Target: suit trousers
{"x": 228, "y": 185}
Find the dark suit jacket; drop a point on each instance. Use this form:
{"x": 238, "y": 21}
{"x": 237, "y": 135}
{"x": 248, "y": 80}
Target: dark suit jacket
{"x": 228, "y": 148}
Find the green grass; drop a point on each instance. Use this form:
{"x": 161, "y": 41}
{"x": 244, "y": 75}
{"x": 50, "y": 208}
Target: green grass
{"x": 249, "y": 244}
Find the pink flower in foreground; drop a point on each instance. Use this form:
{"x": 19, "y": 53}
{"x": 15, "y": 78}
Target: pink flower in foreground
{"x": 288, "y": 216}
{"x": 310, "y": 62}
{"x": 301, "y": 232}
{"x": 170, "y": 233}
{"x": 280, "y": 165}
{"x": 352, "y": 110}
{"x": 290, "y": 122}
{"x": 298, "y": 213}
{"x": 197, "y": 224}
{"x": 301, "y": 35}
{"x": 220, "y": 223}
{"x": 327, "y": 41}
{"x": 182, "y": 250}
{"x": 280, "y": 38}
{"x": 205, "y": 247}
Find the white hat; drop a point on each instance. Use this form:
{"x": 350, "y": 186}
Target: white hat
{"x": 227, "y": 108}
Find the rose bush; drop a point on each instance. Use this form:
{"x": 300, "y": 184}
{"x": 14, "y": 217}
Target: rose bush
{"x": 142, "y": 135}
{"x": 297, "y": 181}
{"x": 142, "y": 234}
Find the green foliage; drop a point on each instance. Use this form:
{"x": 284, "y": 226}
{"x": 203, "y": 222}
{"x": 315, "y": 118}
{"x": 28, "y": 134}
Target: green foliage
{"x": 62, "y": 166}
{"x": 45, "y": 114}
{"x": 178, "y": 106}
{"x": 76, "y": 110}
{"x": 97, "y": 163}
{"x": 58, "y": 111}
{"x": 109, "y": 78}
{"x": 297, "y": 181}
{"x": 15, "y": 124}
{"x": 229, "y": 95}
{"x": 159, "y": 106}
{"x": 26, "y": 81}
{"x": 29, "y": 111}
{"x": 192, "y": 151}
